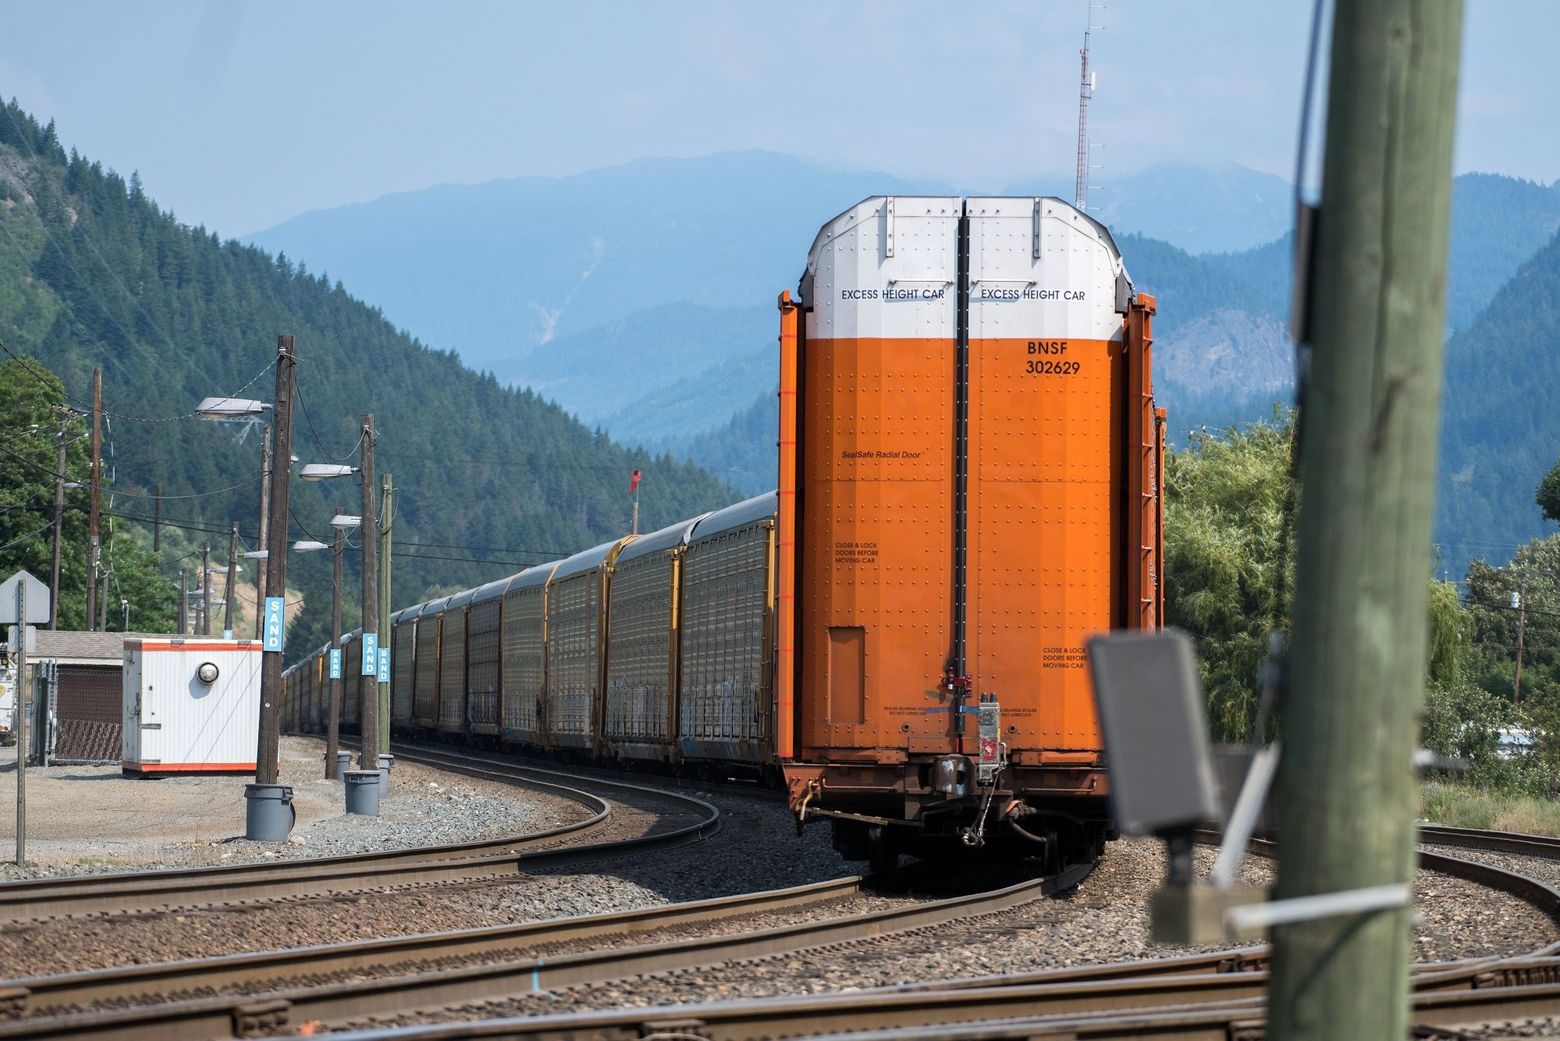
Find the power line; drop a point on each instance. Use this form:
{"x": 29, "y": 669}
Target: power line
{"x": 298, "y": 393}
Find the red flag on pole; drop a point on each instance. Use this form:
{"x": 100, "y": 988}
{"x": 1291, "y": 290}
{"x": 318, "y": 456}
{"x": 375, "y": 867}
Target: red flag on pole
{"x": 633, "y": 482}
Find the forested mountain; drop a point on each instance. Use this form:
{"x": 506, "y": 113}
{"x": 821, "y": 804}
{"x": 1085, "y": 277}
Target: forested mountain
{"x": 1500, "y": 430}
{"x": 1498, "y": 222}
{"x": 489, "y": 478}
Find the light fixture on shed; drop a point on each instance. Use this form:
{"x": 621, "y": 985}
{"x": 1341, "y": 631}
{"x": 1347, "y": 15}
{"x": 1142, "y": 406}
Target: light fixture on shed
{"x": 207, "y": 673}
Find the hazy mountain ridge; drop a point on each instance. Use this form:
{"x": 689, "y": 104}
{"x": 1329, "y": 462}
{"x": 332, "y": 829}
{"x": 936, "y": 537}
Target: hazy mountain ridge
{"x": 657, "y": 322}
{"x": 498, "y": 269}
{"x": 489, "y": 477}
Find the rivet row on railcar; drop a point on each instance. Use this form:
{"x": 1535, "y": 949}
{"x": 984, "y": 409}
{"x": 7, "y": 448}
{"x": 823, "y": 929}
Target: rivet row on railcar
{"x": 970, "y": 468}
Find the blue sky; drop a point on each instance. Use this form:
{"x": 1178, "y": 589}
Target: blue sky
{"x": 239, "y": 115}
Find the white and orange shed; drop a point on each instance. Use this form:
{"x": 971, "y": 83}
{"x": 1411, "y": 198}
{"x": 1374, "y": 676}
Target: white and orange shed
{"x": 190, "y": 706}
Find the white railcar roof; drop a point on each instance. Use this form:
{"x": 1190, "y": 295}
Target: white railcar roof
{"x": 587, "y": 560}
{"x": 532, "y": 577}
{"x": 669, "y": 537}
{"x": 491, "y": 591}
{"x": 737, "y": 515}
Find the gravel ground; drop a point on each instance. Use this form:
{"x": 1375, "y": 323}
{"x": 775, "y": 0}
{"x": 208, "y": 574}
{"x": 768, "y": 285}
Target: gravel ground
{"x": 1104, "y": 920}
{"x": 1546, "y": 1027}
{"x": 755, "y": 849}
{"x": 86, "y": 819}
{"x": 1544, "y": 869}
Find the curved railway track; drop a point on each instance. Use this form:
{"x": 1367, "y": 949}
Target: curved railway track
{"x": 1207, "y": 995}
{"x": 458, "y": 862}
{"x": 416, "y": 986}
{"x": 1215, "y": 995}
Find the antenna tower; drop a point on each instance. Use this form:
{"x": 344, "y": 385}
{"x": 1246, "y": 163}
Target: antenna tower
{"x": 1085, "y": 92}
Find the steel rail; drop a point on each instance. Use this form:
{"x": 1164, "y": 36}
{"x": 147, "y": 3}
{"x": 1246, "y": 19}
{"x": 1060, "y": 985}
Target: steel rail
{"x": 1183, "y": 1007}
{"x": 257, "y": 882}
{"x": 71, "y": 992}
{"x": 1495, "y": 841}
{"x": 1228, "y": 980}
{"x": 246, "y": 1015}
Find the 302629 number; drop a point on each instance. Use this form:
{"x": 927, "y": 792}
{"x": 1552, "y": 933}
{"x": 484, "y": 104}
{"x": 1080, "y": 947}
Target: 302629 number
{"x": 1050, "y": 367}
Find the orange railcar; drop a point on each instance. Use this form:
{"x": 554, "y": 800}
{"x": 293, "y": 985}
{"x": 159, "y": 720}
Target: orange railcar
{"x": 973, "y": 462}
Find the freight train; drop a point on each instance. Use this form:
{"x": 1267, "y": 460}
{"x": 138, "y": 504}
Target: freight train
{"x": 970, "y": 464}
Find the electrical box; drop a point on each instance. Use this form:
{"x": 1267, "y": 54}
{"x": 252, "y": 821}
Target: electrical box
{"x": 190, "y": 706}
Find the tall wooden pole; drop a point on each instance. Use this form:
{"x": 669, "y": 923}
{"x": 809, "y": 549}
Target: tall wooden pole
{"x": 369, "y": 531}
{"x": 265, "y": 527}
{"x": 276, "y": 560}
{"x": 1347, "y": 795}
{"x": 1516, "y": 683}
{"x": 231, "y": 586}
{"x": 184, "y": 602}
{"x": 23, "y": 703}
{"x": 386, "y": 523}
{"x": 205, "y": 590}
{"x": 95, "y": 504}
{"x": 59, "y": 526}
{"x": 333, "y": 722}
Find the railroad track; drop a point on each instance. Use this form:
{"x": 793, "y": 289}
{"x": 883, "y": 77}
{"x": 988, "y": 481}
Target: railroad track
{"x": 416, "y": 986}
{"x": 1215, "y": 1007}
{"x": 1212, "y": 995}
{"x": 459, "y": 862}
{"x": 1215, "y": 995}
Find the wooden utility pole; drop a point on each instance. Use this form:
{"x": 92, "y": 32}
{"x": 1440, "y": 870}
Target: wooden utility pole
{"x": 368, "y": 530}
{"x": 231, "y": 585}
{"x": 95, "y": 504}
{"x": 1347, "y": 791}
{"x": 157, "y": 518}
{"x": 23, "y": 703}
{"x": 333, "y": 724}
{"x": 265, "y": 528}
{"x": 1521, "y": 606}
{"x": 205, "y": 590}
{"x": 386, "y": 524}
{"x": 59, "y": 526}
{"x": 184, "y": 602}
{"x": 276, "y": 560}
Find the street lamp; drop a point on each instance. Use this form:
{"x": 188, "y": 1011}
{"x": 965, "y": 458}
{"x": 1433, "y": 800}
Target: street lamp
{"x": 376, "y": 587}
{"x": 230, "y": 408}
{"x": 308, "y": 545}
{"x": 268, "y": 814}
{"x": 325, "y": 471}
{"x": 342, "y": 523}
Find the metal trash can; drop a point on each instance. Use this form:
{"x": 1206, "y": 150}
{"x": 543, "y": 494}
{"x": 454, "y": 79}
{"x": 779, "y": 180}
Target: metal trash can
{"x": 362, "y": 792}
{"x": 386, "y": 764}
{"x": 343, "y": 763}
{"x": 268, "y": 812}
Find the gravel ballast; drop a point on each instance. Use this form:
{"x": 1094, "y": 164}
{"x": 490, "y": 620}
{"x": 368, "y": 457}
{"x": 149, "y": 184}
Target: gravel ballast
{"x": 1104, "y": 920}
{"x": 89, "y": 819}
{"x": 755, "y": 849}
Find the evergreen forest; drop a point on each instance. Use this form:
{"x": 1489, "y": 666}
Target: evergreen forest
{"x": 93, "y": 274}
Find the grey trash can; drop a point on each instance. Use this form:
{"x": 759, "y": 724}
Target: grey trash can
{"x": 362, "y": 792}
{"x": 343, "y": 763}
{"x": 268, "y": 812}
{"x": 386, "y": 764}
